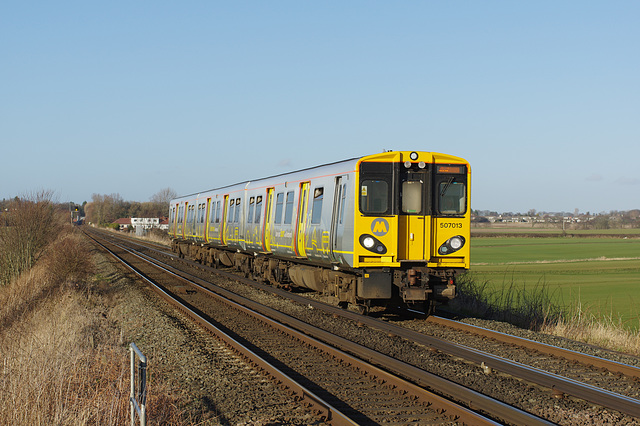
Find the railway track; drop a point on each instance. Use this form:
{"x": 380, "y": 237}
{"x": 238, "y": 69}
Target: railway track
{"x": 602, "y": 364}
{"x": 557, "y": 386}
{"x": 342, "y": 388}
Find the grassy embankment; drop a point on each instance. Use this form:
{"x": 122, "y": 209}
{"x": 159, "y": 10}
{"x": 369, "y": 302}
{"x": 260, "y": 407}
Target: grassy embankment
{"x": 62, "y": 361}
{"x": 584, "y": 287}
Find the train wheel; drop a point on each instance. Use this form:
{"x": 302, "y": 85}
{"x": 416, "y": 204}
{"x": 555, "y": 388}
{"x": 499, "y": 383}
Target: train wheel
{"x": 247, "y": 268}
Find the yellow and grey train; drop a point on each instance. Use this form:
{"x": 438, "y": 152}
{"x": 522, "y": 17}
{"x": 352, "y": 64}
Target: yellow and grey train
{"x": 388, "y": 227}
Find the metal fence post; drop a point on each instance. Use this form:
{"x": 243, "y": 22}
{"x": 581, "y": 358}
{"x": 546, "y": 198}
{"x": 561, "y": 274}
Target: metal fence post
{"x": 138, "y": 400}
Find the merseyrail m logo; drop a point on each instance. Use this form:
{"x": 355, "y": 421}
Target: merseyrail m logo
{"x": 380, "y": 227}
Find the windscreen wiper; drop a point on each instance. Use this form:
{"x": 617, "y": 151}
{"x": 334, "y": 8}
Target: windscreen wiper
{"x": 447, "y": 185}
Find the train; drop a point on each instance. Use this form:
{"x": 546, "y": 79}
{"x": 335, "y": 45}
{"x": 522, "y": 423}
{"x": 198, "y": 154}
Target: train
{"x": 381, "y": 229}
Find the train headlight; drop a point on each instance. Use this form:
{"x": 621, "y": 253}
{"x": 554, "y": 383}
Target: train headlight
{"x": 368, "y": 242}
{"x": 371, "y": 243}
{"x": 452, "y": 245}
{"x": 456, "y": 243}
{"x": 413, "y": 156}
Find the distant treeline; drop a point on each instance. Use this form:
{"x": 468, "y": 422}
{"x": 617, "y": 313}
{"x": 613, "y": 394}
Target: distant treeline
{"x": 104, "y": 209}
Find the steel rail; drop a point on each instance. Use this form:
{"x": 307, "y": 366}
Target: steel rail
{"x": 330, "y": 413}
{"x": 598, "y": 396}
{"x": 598, "y": 362}
{"x": 475, "y": 400}
{"x": 552, "y": 381}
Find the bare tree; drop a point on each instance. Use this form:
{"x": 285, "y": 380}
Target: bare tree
{"x": 160, "y": 201}
{"x": 105, "y": 209}
{"x": 29, "y": 225}
{"x": 164, "y": 196}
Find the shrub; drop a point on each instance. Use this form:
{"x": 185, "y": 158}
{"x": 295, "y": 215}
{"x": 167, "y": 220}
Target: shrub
{"x": 67, "y": 259}
{"x": 28, "y": 226}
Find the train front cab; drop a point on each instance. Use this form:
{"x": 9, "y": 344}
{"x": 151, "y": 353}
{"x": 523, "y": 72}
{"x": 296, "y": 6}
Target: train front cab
{"x": 411, "y": 226}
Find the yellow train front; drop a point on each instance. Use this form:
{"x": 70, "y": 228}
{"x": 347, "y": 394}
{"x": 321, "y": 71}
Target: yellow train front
{"x": 412, "y": 221}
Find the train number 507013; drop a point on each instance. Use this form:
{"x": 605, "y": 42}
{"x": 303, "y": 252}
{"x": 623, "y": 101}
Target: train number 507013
{"x": 450, "y": 225}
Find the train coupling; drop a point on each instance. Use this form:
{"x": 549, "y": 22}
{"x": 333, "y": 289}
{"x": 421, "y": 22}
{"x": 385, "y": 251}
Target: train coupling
{"x": 416, "y": 287}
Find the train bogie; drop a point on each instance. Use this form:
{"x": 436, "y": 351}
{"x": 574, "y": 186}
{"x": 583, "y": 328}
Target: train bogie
{"x": 391, "y": 226}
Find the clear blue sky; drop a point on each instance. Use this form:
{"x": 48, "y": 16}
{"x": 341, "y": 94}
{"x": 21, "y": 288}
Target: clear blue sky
{"x": 543, "y": 98}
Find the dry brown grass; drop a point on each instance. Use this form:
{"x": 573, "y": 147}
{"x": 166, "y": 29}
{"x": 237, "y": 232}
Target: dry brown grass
{"x": 52, "y": 371}
{"x": 61, "y": 361}
{"x": 64, "y": 261}
{"x": 535, "y": 309}
{"x": 52, "y": 375}
{"x": 608, "y": 332}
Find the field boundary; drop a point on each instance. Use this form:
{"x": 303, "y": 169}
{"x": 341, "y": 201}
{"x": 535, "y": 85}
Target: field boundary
{"x": 536, "y": 262}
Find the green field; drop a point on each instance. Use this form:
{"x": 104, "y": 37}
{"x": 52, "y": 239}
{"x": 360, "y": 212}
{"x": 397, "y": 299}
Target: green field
{"x": 602, "y": 275}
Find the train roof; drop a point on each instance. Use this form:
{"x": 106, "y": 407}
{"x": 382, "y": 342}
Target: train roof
{"x": 329, "y": 168}
{"x": 291, "y": 176}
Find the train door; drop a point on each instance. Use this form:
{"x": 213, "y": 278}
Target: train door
{"x": 206, "y": 219}
{"x": 335, "y": 238}
{"x": 199, "y": 220}
{"x": 302, "y": 219}
{"x": 181, "y": 217}
{"x": 173, "y": 220}
{"x": 413, "y": 223}
{"x": 268, "y": 221}
{"x": 179, "y": 221}
{"x": 223, "y": 220}
{"x": 192, "y": 221}
{"x": 186, "y": 228}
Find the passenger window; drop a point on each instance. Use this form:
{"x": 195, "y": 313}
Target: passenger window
{"x": 212, "y": 213}
{"x": 279, "y": 207}
{"x": 258, "y": 208}
{"x": 252, "y": 201}
{"x": 316, "y": 214}
{"x": 288, "y": 212}
{"x": 237, "y": 217}
{"x": 232, "y": 210}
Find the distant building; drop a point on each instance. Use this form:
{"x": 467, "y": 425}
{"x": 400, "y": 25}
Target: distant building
{"x": 143, "y": 223}
{"x": 123, "y": 223}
